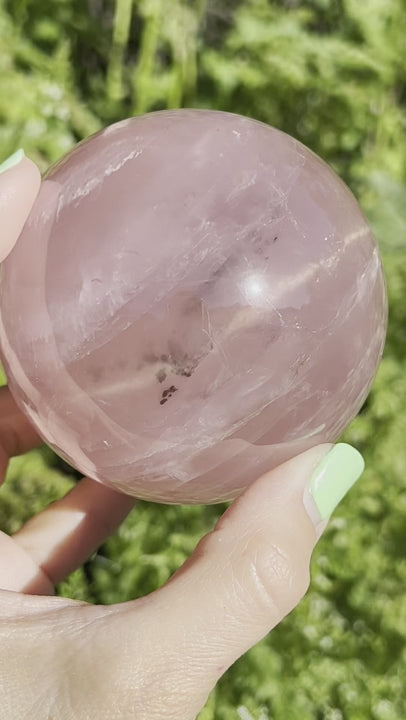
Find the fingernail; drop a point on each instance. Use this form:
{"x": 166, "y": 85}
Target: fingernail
{"x": 13, "y": 160}
{"x": 333, "y": 477}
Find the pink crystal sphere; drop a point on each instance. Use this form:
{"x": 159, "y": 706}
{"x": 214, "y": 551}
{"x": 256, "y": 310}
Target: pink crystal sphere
{"x": 195, "y": 298}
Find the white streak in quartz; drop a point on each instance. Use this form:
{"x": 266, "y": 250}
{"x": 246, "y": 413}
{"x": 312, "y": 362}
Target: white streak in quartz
{"x": 247, "y": 180}
{"x": 116, "y": 128}
{"x": 284, "y": 288}
{"x": 357, "y": 235}
{"x": 311, "y": 433}
{"x": 86, "y": 189}
{"x": 92, "y": 184}
{"x": 114, "y": 168}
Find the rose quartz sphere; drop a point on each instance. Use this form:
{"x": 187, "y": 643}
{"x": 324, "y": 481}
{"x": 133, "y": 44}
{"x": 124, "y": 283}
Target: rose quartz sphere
{"x": 195, "y": 298}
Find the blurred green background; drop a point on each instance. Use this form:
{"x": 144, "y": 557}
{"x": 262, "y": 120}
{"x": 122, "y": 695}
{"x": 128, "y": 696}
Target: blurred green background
{"x": 333, "y": 74}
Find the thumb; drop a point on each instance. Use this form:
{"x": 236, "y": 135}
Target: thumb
{"x": 247, "y": 574}
{"x": 20, "y": 181}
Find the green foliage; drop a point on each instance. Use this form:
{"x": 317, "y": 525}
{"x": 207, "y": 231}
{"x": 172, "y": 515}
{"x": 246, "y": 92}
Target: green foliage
{"x": 332, "y": 73}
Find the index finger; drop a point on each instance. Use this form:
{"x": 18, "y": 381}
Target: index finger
{"x": 20, "y": 182}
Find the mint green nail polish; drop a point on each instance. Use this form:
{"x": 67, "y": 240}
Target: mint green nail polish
{"x": 12, "y": 161}
{"x": 334, "y": 476}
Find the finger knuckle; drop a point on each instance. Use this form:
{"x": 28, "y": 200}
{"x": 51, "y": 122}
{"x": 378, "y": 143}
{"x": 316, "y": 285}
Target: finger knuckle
{"x": 278, "y": 579}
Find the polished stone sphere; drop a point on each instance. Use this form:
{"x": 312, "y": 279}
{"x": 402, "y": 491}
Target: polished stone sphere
{"x": 195, "y": 298}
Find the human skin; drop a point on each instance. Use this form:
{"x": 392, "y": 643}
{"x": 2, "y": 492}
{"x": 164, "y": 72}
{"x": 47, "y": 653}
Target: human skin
{"x": 158, "y": 656}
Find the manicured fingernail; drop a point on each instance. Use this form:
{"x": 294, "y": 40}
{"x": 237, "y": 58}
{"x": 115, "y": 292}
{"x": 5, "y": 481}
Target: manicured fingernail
{"x": 12, "y": 161}
{"x": 333, "y": 477}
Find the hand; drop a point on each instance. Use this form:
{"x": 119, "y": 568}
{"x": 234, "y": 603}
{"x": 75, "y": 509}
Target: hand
{"x": 159, "y": 656}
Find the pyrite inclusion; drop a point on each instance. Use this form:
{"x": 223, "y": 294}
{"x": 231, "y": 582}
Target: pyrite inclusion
{"x": 195, "y": 298}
